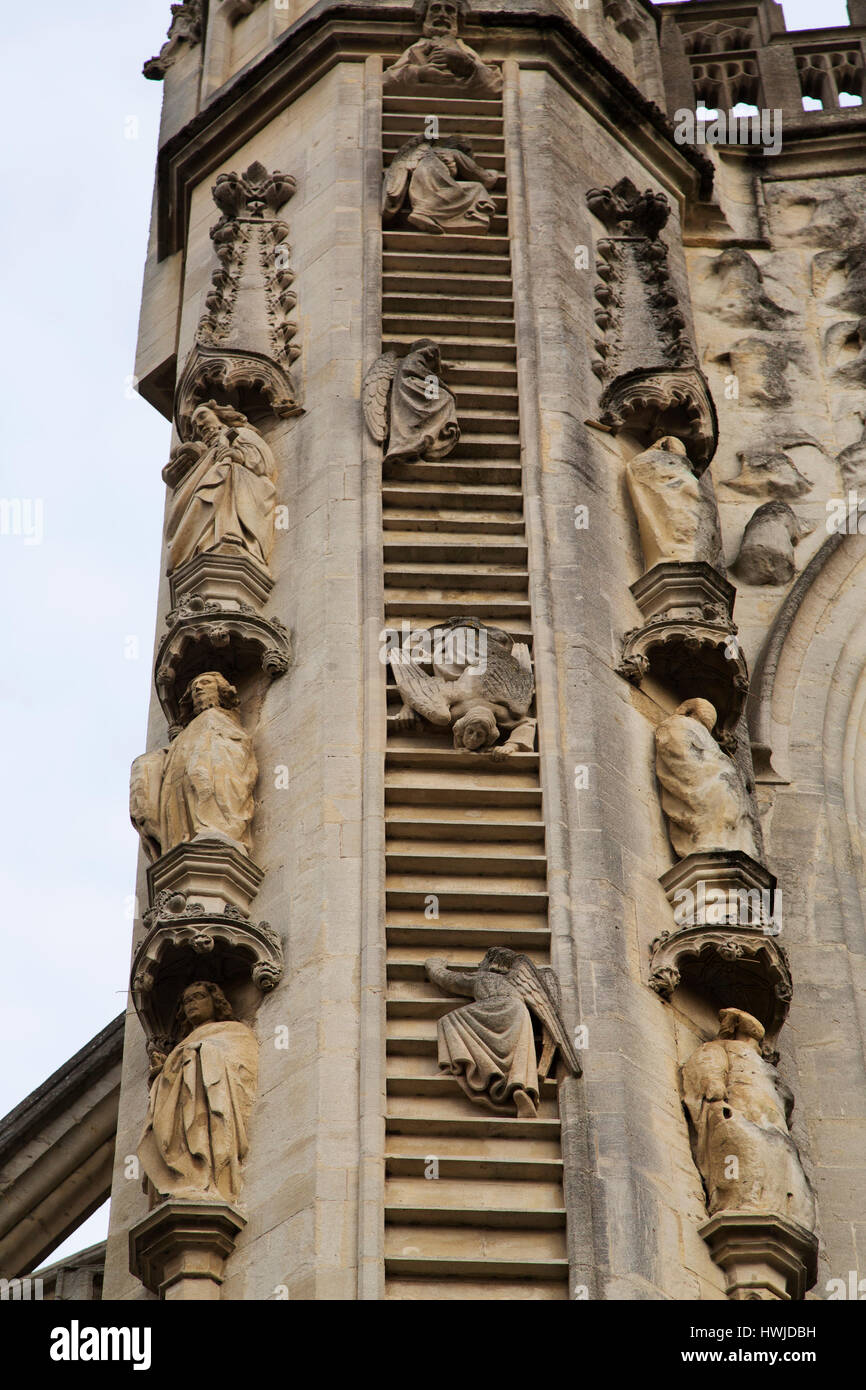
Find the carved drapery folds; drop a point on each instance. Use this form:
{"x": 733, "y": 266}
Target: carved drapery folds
{"x": 759, "y": 1200}
{"x": 244, "y": 349}
{"x": 220, "y": 527}
{"x": 646, "y": 361}
{"x": 406, "y": 402}
{"x": 446, "y": 189}
{"x": 488, "y": 1046}
{"x": 441, "y": 60}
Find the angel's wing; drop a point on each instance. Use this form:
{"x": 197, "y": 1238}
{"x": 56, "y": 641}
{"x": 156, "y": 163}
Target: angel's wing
{"x": 508, "y": 677}
{"x": 145, "y": 781}
{"x": 541, "y": 998}
{"x": 375, "y": 392}
{"x": 397, "y": 177}
{"x": 423, "y": 693}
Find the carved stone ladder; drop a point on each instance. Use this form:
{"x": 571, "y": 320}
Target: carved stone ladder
{"x": 465, "y": 836}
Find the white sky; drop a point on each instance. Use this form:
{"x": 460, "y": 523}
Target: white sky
{"x": 81, "y": 125}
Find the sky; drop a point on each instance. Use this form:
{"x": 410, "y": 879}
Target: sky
{"x": 79, "y": 535}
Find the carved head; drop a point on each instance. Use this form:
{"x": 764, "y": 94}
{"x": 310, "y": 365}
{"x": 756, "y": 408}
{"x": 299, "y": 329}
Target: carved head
{"x": 208, "y": 419}
{"x": 209, "y": 690}
{"x": 428, "y": 351}
{"x": 701, "y": 710}
{"x": 477, "y": 731}
{"x": 441, "y": 19}
{"x": 736, "y": 1023}
{"x": 499, "y": 959}
{"x": 201, "y": 1002}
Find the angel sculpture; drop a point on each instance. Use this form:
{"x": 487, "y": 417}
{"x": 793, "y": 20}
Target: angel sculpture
{"x": 431, "y": 171}
{"x": 489, "y": 1045}
{"x": 406, "y": 403}
{"x": 481, "y": 684}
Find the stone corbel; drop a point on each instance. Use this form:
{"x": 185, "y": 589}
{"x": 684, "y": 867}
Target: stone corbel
{"x": 765, "y": 1258}
{"x": 725, "y": 944}
{"x": 204, "y": 635}
{"x": 656, "y": 401}
{"x": 179, "y": 1250}
{"x": 185, "y": 935}
{"x": 693, "y": 656}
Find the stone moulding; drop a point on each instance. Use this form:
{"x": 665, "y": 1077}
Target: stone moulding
{"x": 179, "y": 1250}
{"x": 243, "y": 349}
{"x": 184, "y": 935}
{"x": 764, "y": 1257}
{"x": 652, "y": 402}
{"x": 687, "y": 588}
{"x": 203, "y": 635}
{"x": 212, "y": 871}
{"x": 725, "y": 944}
{"x": 233, "y": 579}
{"x": 694, "y": 657}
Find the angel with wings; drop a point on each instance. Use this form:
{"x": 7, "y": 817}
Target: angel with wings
{"x": 480, "y": 686}
{"x": 406, "y": 403}
{"x": 489, "y": 1045}
{"x": 433, "y": 174}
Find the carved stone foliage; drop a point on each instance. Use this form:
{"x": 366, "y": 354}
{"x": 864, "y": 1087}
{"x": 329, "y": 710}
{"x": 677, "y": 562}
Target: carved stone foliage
{"x": 406, "y": 402}
{"x": 740, "y": 1109}
{"x": 447, "y": 190}
{"x": 488, "y": 1046}
{"x": 760, "y": 366}
{"x": 201, "y": 786}
{"x": 185, "y": 28}
{"x": 474, "y": 680}
{"x": 702, "y": 793}
{"x": 693, "y": 656}
{"x": 244, "y": 346}
{"x": 224, "y": 492}
{"x": 441, "y": 59}
{"x": 767, "y": 549}
{"x": 646, "y": 361}
{"x": 724, "y": 946}
{"x": 186, "y": 940}
{"x": 206, "y": 635}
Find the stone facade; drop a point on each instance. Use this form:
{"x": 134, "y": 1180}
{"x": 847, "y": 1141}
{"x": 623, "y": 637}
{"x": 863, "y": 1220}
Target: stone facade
{"x": 581, "y": 397}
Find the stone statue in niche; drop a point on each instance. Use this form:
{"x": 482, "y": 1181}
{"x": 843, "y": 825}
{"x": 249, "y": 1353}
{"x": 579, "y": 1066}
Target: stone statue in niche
{"x": 677, "y": 518}
{"x": 767, "y": 550}
{"x": 201, "y": 1095}
{"x": 702, "y": 794}
{"x": 447, "y": 190}
{"x": 481, "y": 686}
{"x": 201, "y": 787}
{"x": 406, "y": 402}
{"x": 488, "y": 1045}
{"x": 224, "y": 493}
{"x": 441, "y": 59}
{"x": 740, "y": 1110}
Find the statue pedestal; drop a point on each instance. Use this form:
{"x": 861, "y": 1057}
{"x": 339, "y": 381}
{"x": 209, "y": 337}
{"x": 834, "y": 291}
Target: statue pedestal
{"x": 213, "y": 872}
{"x": 179, "y": 1250}
{"x": 230, "y": 577}
{"x": 684, "y": 589}
{"x": 764, "y": 1257}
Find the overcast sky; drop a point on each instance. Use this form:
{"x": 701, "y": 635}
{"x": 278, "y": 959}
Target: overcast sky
{"x": 81, "y": 454}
